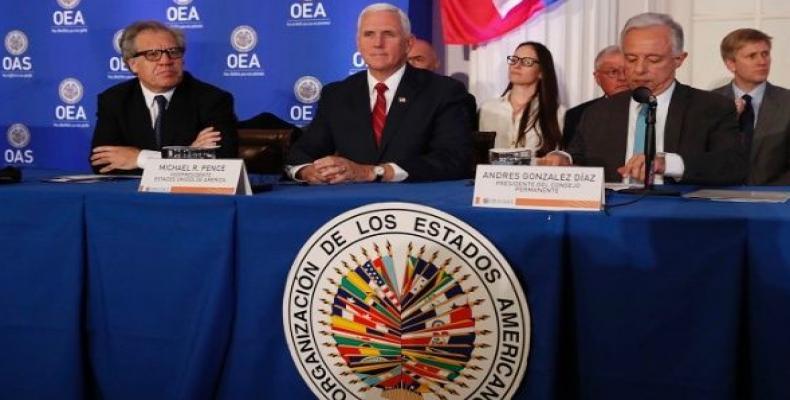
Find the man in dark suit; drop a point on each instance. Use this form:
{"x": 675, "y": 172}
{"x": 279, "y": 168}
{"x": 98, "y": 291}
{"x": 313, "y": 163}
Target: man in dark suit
{"x": 695, "y": 130}
{"x": 413, "y": 127}
{"x": 163, "y": 106}
{"x": 764, "y": 120}
{"x": 610, "y": 76}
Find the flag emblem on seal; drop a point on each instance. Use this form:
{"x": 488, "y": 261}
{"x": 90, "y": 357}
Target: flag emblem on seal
{"x": 401, "y": 301}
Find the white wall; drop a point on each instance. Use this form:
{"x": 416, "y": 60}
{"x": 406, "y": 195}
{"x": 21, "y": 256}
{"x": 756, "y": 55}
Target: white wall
{"x": 575, "y": 30}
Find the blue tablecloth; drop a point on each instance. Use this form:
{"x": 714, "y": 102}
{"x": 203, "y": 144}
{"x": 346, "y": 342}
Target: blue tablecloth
{"x": 111, "y": 293}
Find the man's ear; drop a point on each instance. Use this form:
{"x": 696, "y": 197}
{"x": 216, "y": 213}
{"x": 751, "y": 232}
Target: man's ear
{"x": 730, "y": 64}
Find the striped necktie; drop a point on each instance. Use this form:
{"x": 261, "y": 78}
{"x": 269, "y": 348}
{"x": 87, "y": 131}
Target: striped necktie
{"x": 379, "y": 112}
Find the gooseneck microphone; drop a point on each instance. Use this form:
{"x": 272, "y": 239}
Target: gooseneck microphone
{"x": 644, "y": 95}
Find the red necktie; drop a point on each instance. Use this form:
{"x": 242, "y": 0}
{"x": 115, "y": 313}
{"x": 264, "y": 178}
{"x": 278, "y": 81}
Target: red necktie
{"x": 379, "y": 112}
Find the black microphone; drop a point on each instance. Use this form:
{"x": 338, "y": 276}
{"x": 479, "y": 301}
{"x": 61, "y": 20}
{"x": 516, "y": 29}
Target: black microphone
{"x": 644, "y": 95}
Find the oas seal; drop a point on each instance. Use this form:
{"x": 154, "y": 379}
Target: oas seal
{"x": 16, "y": 43}
{"x": 402, "y": 301}
{"x": 18, "y": 136}
{"x": 243, "y": 38}
{"x": 116, "y": 40}
{"x": 69, "y": 4}
{"x": 307, "y": 89}
{"x": 70, "y": 91}
{"x": 182, "y": 2}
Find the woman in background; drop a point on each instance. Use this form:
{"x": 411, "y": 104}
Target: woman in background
{"x": 528, "y": 114}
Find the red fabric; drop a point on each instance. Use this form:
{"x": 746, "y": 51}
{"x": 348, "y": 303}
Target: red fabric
{"x": 477, "y": 21}
{"x": 379, "y": 112}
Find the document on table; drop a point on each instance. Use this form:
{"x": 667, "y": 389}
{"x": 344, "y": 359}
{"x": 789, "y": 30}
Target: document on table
{"x": 89, "y": 178}
{"x": 742, "y": 196}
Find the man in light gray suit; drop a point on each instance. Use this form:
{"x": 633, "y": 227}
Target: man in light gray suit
{"x": 763, "y": 114}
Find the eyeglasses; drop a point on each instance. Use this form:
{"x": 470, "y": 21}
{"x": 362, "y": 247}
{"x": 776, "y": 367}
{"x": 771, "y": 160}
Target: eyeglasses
{"x": 613, "y": 73}
{"x": 525, "y": 61}
{"x": 156, "y": 54}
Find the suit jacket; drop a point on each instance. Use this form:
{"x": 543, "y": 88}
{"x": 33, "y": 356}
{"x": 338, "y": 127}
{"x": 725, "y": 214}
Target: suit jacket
{"x": 700, "y": 127}
{"x": 769, "y": 158}
{"x": 427, "y": 131}
{"x": 572, "y": 118}
{"x": 123, "y": 118}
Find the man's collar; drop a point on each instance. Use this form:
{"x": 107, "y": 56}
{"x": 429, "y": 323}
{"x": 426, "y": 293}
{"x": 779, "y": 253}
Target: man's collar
{"x": 757, "y": 92}
{"x": 392, "y": 81}
{"x": 149, "y": 95}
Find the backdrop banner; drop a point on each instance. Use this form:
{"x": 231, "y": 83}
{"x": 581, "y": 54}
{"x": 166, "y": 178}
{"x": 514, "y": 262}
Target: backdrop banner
{"x": 57, "y": 56}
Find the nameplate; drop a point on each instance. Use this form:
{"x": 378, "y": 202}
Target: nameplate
{"x": 195, "y": 176}
{"x": 539, "y": 188}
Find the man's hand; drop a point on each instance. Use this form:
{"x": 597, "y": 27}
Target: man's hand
{"x": 334, "y": 169}
{"x": 635, "y": 167}
{"x": 114, "y": 157}
{"x": 554, "y": 160}
{"x": 208, "y": 137}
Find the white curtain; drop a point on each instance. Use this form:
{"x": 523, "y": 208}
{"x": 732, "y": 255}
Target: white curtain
{"x": 574, "y": 31}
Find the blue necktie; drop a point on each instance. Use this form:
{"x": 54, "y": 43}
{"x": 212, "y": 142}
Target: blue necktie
{"x": 161, "y": 103}
{"x": 639, "y": 132}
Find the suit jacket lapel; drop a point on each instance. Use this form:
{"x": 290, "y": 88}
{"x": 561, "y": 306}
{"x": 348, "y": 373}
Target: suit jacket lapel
{"x": 176, "y": 114}
{"x": 407, "y": 89}
{"x": 620, "y": 119}
{"x": 766, "y": 118}
{"x": 360, "y": 106}
{"x": 675, "y": 116}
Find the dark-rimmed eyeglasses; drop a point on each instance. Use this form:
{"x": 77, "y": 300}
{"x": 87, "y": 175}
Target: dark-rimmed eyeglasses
{"x": 156, "y": 54}
{"x": 525, "y": 61}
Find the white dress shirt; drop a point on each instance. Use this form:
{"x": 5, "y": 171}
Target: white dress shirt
{"x": 497, "y": 115}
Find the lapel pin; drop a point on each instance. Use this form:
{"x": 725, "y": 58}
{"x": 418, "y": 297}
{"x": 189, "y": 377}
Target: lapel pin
{"x": 401, "y": 99}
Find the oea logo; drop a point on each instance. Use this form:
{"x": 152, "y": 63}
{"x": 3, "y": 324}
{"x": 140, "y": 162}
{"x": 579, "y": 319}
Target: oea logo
{"x": 243, "y": 39}
{"x": 308, "y": 10}
{"x": 182, "y": 12}
{"x": 18, "y": 136}
{"x": 307, "y": 90}
{"x": 16, "y": 43}
{"x": 116, "y": 62}
{"x": 68, "y": 16}
{"x": 70, "y": 91}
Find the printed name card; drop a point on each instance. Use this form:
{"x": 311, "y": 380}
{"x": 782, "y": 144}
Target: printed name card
{"x": 539, "y": 188}
{"x": 205, "y": 176}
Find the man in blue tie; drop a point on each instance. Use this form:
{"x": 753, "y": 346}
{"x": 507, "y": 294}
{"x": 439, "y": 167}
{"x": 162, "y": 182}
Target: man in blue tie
{"x": 696, "y": 130}
{"x": 163, "y": 106}
{"x": 762, "y": 107}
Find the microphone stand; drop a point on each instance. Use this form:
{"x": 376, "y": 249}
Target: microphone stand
{"x": 650, "y": 156}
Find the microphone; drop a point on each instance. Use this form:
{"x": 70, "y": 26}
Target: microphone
{"x": 644, "y": 95}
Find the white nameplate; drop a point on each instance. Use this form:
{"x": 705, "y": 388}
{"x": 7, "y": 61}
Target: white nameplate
{"x": 207, "y": 176}
{"x": 539, "y": 188}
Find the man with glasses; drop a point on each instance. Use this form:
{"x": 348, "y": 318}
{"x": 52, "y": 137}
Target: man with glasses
{"x": 696, "y": 130}
{"x": 390, "y": 123}
{"x": 163, "y": 106}
{"x": 609, "y": 74}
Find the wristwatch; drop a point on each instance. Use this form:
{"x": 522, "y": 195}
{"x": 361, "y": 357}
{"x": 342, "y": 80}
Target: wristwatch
{"x": 378, "y": 171}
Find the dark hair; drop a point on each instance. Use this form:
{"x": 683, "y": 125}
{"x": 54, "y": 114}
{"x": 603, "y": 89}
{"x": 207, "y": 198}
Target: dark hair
{"x": 548, "y": 103}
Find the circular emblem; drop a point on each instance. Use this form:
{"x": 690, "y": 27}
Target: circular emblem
{"x": 243, "y": 38}
{"x": 182, "y": 2}
{"x": 16, "y": 43}
{"x": 116, "y": 40}
{"x": 18, "y": 135}
{"x": 402, "y": 301}
{"x": 70, "y": 91}
{"x": 69, "y": 4}
{"x": 307, "y": 89}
